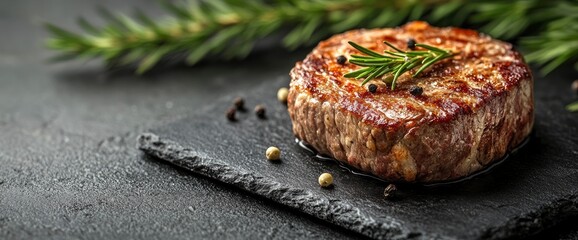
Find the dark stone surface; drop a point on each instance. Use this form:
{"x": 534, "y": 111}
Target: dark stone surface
{"x": 68, "y": 165}
{"x": 69, "y": 168}
{"x": 531, "y": 190}
{"x": 332, "y": 210}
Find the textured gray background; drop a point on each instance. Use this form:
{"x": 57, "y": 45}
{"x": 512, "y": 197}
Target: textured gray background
{"x": 68, "y": 165}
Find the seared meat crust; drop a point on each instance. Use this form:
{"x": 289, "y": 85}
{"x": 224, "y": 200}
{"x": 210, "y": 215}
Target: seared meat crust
{"x": 474, "y": 108}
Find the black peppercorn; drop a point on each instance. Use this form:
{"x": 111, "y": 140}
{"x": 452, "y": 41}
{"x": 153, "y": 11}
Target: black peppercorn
{"x": 416, "y": 90}
{"x": 231, "y": 114}
{"x": 575, "y": 86}
{"x": 341, "y": 59}
{"x": 260, "y": 111}
{"x": 372, "y": 88}
{"x": 239, "y": 103}
{"x": 411, "y": 44}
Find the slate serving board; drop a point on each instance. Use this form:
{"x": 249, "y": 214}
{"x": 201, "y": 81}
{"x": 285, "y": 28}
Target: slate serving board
{"x": 533, "y": 189}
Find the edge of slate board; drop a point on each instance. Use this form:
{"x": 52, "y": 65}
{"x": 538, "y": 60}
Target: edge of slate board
{"x": 331, "y": 210}
{"x": 334, "y": 211}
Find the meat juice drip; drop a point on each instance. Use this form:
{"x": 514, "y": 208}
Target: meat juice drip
{"x": 304, "y": 145}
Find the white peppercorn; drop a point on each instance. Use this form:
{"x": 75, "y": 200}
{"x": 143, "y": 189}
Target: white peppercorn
{"x": 273, "y": 153}
{"x": 282, "y": 94}
{"x": 325, "y": 180}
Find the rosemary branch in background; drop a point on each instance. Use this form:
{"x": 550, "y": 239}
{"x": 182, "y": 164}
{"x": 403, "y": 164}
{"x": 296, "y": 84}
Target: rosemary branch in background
{"x": 395, "y": 63}
{"x": 228, "y": 29}
{"x": 224, "y": 28}
{"x": 558, "y": 42}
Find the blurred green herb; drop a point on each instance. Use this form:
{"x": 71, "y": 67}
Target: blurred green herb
{"x": 394, "y": 62}
{"x": 572, "y": 107}
{"x": 229, "y": 28}
{"x": 224, "y": 28}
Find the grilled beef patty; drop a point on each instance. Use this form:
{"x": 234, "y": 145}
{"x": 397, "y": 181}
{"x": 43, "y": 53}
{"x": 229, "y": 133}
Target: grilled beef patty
{"x": 474, "y": 108}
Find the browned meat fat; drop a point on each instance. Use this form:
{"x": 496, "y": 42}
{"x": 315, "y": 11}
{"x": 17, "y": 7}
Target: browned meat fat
{"x": 474, "y": 108}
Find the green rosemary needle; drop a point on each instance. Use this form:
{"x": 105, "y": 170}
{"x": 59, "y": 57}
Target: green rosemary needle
{"x": 572, "y": 107}
{"x": 395, "y": 62}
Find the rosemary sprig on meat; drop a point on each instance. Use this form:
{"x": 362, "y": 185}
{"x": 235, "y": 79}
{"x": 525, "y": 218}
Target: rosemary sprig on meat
{"x": 395, "y": 63}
